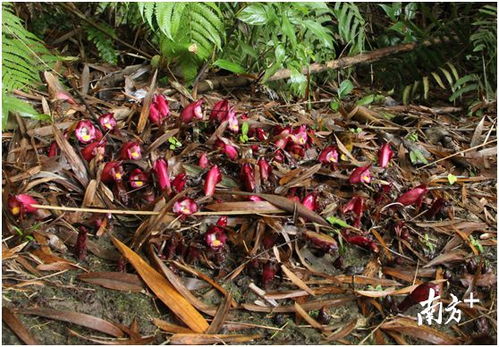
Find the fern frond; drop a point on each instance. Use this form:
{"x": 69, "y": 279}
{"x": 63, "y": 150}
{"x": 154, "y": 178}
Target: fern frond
{"x": 103, "y": 43}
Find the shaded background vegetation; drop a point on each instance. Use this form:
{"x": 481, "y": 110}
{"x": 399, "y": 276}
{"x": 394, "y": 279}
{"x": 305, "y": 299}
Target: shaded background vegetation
{"x": 186, "y": 40}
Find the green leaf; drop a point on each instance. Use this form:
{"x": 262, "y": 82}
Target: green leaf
{"x": 346, "y": 88}
{"x": 254, "y": 14}
{"x": 335, "y": 105}
{"x": 245, "y": 128}
{"x": 366, "y": 100}
{"x": 229, "y": 66}
{"x": 336, "y": 221}
{"x": 417, "y": 157}
{"x": 451, "y": 178}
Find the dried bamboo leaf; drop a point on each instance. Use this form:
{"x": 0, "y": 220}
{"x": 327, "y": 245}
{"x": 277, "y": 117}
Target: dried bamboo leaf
{"x": 208, "y": 339}
{"x": 144, "y": 113}
{"x": 114, "y": 280}
{"x": 18, "y": 327}
{"x": 165, "y": 292}
{"x": 411, "y": 328}
{"x": 220, "y": 316}
{"x": 302, "y": 313}
{"x": 343, "y": 332}
{"x": 73, "y": 158}
{"x": 296, "y": 281}
{"x": 171, "y": 328}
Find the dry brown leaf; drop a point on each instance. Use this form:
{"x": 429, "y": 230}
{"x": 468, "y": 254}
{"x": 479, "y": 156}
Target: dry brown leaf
{"x": 164, "y": 290}
{"x": 450, "y": 257}
{"x": 10, "y": 252}
{"x": 144, "y": 114}
{"x": 296, "y": 281}
{"x": 383, "y": 293}
{"x": 131, "y": 341}
{"x": 114, "y": 280}
{"x": 477, "y": 133}
{"x": 245, "y": 206}
{"x": 343, "y": 332}
{"x": 171, "y": 328}
{"x": 73, "y": 158}
{"x": 220, "y": 316}
{"x": 209, "y": 339}
{"x": 310, "y": 305}
{"x": 366, "y": 280}
{"x": 303, "y": 314}
{"x": 411, "y": 328}
{"x": 18, "y": 327}
{"x": 82, "y": 319}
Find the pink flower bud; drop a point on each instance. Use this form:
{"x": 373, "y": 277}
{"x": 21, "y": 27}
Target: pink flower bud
{"x": 265, "y": 169}
{"x": 107, "y": 121}
{"x": 261, "y": 134}
{"x": 385, "y": 154}
{"x": 254, "y": 198}
{"x": 248, "y": 177}
{"x": 21, "y": 204}
{"x": 222, "y": 222}
{"x": 231, "y": 151}
{"x": 419, "y": 294}
{"x": 185, "y": 206}
{"x": 220, "y": 110}
{"x": 212, "y": 178}
{"x": 269, "y": 271}
{"x": 203, "y": 161}
{"x": 329, "y": 155}
{"x": 53, "y": 149}
{"x": 360, "y": 175}
{"x": 413, "y": 196}
{"x": 97, "y": 148}
{"x": 356, "y": 205}
{"x": 281, "y": 143}
{"x": 279, "y": 156}
{"x": 158, "y": 110}
{"x": 310, "y": 201}
{"x": 112, "y": 172}
{"x": 179, "y": 182}
{"x": 297, "y": 150}
{"x": 255, "y": 148}
{"x": 131, "y": 151}
{"x": 137, "y": 178}
{"x": 191, "y": 111}
{"x": 86, "y": 132}
{"x": 215, "y": 238}
{"x": 160, "y": 168}
{"x": 361, "y": 241}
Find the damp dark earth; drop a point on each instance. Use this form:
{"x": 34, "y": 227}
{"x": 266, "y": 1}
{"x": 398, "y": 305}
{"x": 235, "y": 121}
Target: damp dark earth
{"x": 249, "y": 173}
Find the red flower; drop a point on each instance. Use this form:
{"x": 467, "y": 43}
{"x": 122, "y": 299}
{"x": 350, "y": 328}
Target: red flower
{"x": 299, "y": 135}
{"x": 298, "y": 150}
{"x": 185, "y": 207}
{"x": 212, "y": 178}
{"x": 107, "y": 121}
{"x": 179, "y": 182}
{"x": 222, "y": 221}
{"x": 254, "y": 198}
{"x": 419, "y": 294}
{"x": 261, "y": 134}
{"x": 95, "y": 148}
{"x": 160, "y": 168}
{"x": 360, "y": 175}
{"x": 310, "y": 201}
{"x": 131, "y": 151}
{"x": 356, "y": 204}
{"x": 329, "y": 155}
{"x": 21, "y": 204}
{"x": 279, "y": 156}
{"x": 53, "y": 149}
{"x": 248, "y": 177}
{"x": 215, "y": 238}
{"x": 86, "y": 132}
{"x": 362, "y": 241}
{"x": 265, "y": 169}
{"x": 112, "y": 172}
{"x": 385, "y": 154}
{"x": 203, "y": 161}
{"x": 80, "y": 248}
{"x": 137, "y": 178}
{"x": 220, "y": 110}
{"x": 413, "y": 196}
{"x": 268, "y": 273}
{"x": 159, "y": 109}
{"x": 193, "y": 110}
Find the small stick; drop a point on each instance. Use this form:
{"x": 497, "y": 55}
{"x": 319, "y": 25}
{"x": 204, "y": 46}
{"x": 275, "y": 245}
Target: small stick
{"x": 457, "y": 153}
{"x": 147, "y": 213}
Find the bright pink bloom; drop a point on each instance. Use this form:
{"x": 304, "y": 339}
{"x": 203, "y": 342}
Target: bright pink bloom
{"x": 137, "y": 178}
{"x": 112, "y": 172}
{"x": 230, "y": 150}
{"x": 361, "y": 175}
{"x": 212, "y": 178}
{"x": 254, "y": 198}
{"x": 222, "y": 221}
{"x": 248, "y": 177}
{"x": 356, "y": 205}
{"x": 159, "y": 109}
{"x": 107, "y": 121}
{"x": 53, "y": 149}
{"x": 131, "y": 151}
{"x": 265, "y": 169}
{"x": 232, "y": 121}
{"x": 160, "y": 168}
{"x": 185, "y": 206}
{"x": 220, "y": 110}
{"x": 329, "y": 155}
{"x": 203, "y": 161}
{"x": 215, "y": 238}
{"x": 21, "y": 204}
{"x": 191, "y": 111}
{"x": 413, "y": 196}
{"x": 310, "y": 201}
{"x": 97, "y": 148}
{"x": 179, "y": 182}
{"x": 86, "y": 132}
{"x": 385, "y": 154}
{"x": 299, "y": 135}
{"x": 279, "y": 156}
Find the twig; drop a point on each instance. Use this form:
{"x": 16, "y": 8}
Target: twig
{"x": 457, "y": 153}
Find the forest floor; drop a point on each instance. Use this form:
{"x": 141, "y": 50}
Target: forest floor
{"x": 302, "y": 225}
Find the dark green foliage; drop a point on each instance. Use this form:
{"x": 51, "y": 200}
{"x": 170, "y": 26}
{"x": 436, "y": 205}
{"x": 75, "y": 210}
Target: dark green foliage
{"x": 104, "y": 43}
